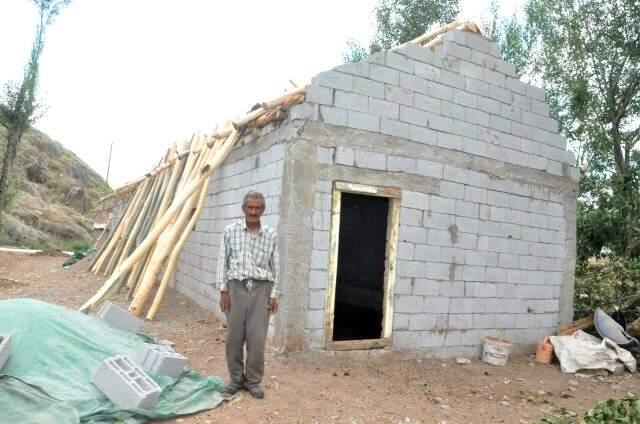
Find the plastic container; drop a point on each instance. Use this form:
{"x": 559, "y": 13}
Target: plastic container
{"x": 495, "y": 350}
{"x": 544, "y": 352}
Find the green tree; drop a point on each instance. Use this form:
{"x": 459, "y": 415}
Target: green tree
{"x": 354, "y": 52}
{"x": 18, "y": 105}
{"x": 515, "y": 38}
{"x": 399, "y": 21}
{"x": 587, "y": 54}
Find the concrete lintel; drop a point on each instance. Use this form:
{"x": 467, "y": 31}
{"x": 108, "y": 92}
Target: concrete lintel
{"x": 324, "y": 134}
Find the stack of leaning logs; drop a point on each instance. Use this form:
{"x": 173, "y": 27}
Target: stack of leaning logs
{"x": 164, "y": 207}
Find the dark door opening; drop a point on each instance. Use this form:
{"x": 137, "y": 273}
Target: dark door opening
{"x": 362, "y": 246}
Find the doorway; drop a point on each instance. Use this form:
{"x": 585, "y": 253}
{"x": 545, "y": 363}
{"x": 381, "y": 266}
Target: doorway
{"x": 362, "y": 266}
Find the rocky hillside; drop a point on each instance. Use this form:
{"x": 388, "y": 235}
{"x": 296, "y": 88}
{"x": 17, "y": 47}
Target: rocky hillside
{"x": 52, "y": 195}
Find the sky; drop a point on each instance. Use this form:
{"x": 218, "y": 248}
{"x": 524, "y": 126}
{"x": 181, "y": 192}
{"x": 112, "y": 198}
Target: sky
{"x": 144, "y": 74}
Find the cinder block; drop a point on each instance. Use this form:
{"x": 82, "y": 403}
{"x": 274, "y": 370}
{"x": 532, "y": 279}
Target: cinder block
{"x": 332, "y": 115}
{"x": 368, "y": 87}
{"x": 371, "y": 160}
{"x": 422, "y": 135}
{"x": 126, "y": 384}
{"x": 333, "y": 79}
{"x": 428, "y": 168}
{"x": 399, "y": 62}
{"x": 358, "y": 68}
{"x": 384, "y": 74}
{"x": 363, "y": 121}
{"x": 426, "y": 71}
{"x": 414, "y": 83}
{"x": 383, "y": 108}
{"x": 394, "y": 127}
{"x": 160, "y": 359}
{"x": 5, "y": 348}
{"x": 321, "y": 95}
{"x": 403, "y": 164}
{"x": 402, "y": 95}
{"x": 427, "y": 103}
{"x": 409, "y": 304}
{"x": 351, "y": 101}
{"x": 119, "y": 318}
{"x": 344, "y": 156}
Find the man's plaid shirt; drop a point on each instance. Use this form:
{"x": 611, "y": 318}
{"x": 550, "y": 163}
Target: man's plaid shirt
{"x": 244, "y": 254}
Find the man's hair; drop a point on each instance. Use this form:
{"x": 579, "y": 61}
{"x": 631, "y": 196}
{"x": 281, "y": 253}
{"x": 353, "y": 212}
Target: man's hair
{"x": 254, "y": 195}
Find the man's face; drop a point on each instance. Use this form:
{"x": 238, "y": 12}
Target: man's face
{"x": 253, "y": 211}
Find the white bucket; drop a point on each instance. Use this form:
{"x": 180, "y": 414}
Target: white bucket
{"x": 495, "y": 350}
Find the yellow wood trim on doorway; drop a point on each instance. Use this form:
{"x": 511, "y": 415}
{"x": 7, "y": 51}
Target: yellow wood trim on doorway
{"x": 394, "y": 195}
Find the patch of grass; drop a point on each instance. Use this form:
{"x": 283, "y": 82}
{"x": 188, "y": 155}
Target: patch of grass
{"x": 625, "y": 410}
{"x": 73, "y": 245}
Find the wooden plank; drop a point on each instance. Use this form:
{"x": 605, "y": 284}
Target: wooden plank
{"x": 390, "y": 267}
{"x": 367, "y": 189}
{"x": 581, "y": 324}
{"x": 329, "y": 306}
{"x": 358, "y": 344}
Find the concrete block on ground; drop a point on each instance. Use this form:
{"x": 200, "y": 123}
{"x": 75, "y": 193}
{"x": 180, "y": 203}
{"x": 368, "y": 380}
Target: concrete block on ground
{"x": 126, "y": 384}
{"x": 119, "y": 318}
{"x": 159, "y": 359}
{"x": 5, "y": 348}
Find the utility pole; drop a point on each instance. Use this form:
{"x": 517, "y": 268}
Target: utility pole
{"x": 109, "y": 162}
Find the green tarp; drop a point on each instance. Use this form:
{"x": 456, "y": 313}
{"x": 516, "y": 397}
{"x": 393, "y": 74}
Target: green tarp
{"x": 54, "y": 353}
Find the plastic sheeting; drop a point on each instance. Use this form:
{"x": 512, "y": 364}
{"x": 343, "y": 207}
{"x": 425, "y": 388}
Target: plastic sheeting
{"x": 581, "y": 351}
{"x": 54, "y": 352}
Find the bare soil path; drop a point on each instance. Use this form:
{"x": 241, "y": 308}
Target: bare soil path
{"x": 331, "y": 390}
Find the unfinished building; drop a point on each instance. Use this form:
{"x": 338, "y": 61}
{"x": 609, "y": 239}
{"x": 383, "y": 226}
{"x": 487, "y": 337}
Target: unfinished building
{"x": 423, "y": 200}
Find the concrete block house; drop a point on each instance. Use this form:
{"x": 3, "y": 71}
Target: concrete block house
{"x": 423, "y": 199}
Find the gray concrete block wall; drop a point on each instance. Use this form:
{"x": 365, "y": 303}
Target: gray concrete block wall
{"x": 457, "y": 97}
{"x": 255, "y": 166}
{"x": 478, "y": 255}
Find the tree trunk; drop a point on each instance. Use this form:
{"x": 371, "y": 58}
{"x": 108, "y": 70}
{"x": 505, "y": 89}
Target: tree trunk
{"x": 13, "y": 138}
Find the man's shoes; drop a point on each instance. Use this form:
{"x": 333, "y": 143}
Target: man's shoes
{"x": 232, "y": 388}
{"x": 255, "y": 391}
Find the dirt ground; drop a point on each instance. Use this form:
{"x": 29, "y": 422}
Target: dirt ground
{"x": 302, "y": 389}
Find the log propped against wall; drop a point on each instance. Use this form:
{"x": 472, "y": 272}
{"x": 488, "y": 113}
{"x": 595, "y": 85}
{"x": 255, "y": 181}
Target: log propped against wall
{"x": 164, "y": 208}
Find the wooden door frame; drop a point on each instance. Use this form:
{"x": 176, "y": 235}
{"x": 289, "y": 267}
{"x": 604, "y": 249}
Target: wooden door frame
{"x": 393, "y": 220}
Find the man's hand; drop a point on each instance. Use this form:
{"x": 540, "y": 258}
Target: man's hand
{"x": 272, "y": 306}
{"x": 225, "y": 302}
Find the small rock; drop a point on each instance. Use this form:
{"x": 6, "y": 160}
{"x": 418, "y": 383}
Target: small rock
{"x": 462, "y": 361}
{"x": 573, "y": 382}
{"x": 444, "y": 406}
{"x": 504, "y": 403}
{"x": 541, "y": 393}
{"x": 335, "y": 374}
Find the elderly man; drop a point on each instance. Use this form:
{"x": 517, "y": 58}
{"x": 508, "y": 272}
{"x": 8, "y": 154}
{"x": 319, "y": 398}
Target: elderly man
{"x": 248, "y": 282}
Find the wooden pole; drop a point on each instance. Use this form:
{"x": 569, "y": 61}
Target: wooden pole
{"x": 97, "y": 268}
{"x": 171, "y": 212}
{"x": 164, "y": 246}
{"x": 175, "y": 254}
{"x": 115, "y": 256}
